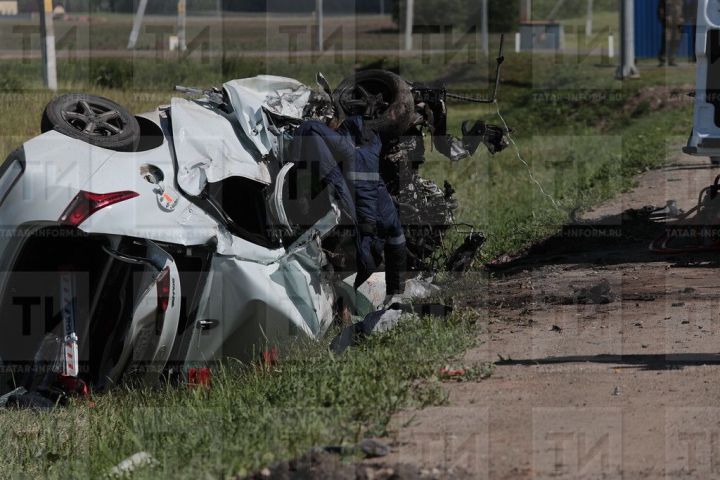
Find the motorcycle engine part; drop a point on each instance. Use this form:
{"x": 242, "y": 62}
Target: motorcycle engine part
{"x": 461, "y": 259}
{"x": 426, "y": 213}
{"x": 319, "y": 107}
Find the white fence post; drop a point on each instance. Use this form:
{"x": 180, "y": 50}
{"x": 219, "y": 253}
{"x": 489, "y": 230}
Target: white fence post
{"x": 182, "y": 25}
{"x": 485, "y": 27}
{"x": 47, "y": 32}
{"x": 320, "y": 18}
{"x": 409, "y": 21}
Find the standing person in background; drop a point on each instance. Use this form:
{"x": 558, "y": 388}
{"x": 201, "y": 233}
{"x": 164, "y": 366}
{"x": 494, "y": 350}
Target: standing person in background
{"x": 691, "y": 14}
{"x": 670, "y": 14}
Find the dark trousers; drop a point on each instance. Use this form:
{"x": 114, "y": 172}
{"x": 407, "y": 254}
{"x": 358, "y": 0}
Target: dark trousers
{"x": 390, "y": 241}
{"x": 669, "y": 42}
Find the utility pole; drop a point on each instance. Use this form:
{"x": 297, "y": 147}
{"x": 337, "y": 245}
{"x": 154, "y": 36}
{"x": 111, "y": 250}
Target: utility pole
{"x": 526, "y": 11}
{"x": 556, "y": 9}
{"x": 409, "y": 22}
{"x": 589, "y": 20}
{"x": 382, "y": 7}
{"x": 137, "y": 24}
{"x": 627, "y": 68}
{"x": 182, "y": 25}
{"x": 320, "y": 25}
{"x": 485, "y": 28}
{"x": 47, "y": 32}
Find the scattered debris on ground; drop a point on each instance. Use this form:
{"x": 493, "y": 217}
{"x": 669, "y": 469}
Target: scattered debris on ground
{"x": 473, "y": 373}
{"x": 319, "y": 463}
{"x": 598, "y": 294}
{"x": 134, "y": 462}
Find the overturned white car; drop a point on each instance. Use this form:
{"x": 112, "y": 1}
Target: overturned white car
{"x": 136, "y": 248}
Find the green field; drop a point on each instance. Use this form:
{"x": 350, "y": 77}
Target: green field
{"x": 584, "y": 135}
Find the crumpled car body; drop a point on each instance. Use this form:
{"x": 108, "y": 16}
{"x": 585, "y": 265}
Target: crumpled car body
{"x": 162, "y": 254}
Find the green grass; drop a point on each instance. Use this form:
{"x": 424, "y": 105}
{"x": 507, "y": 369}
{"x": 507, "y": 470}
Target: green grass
{"x": 252, "y": 416}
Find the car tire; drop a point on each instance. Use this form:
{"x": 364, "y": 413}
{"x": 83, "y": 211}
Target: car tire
{"x": 94, "y": 120}
{"x": 397, "y": 117}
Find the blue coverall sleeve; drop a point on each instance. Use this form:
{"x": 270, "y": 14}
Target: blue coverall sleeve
{"x": 339, "y": 145}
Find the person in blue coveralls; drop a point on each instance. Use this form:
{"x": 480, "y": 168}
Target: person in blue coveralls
{"x": 348, "y": 157}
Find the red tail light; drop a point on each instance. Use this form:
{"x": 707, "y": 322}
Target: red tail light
{"x": 199, "y": 377}
{"x": 86, "y": 203}
{"x": 163, "y": 286}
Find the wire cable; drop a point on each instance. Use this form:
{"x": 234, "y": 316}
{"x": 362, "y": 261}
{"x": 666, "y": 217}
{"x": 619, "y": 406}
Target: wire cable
{"x": 522, "y": 160}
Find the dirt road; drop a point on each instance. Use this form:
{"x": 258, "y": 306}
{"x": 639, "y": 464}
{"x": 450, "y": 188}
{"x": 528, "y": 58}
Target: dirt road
{"x": 607, "y": 357}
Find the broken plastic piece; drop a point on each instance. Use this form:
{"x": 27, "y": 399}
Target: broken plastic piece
{"x": 132, "y": 463}
{"x": 199, "y": 377}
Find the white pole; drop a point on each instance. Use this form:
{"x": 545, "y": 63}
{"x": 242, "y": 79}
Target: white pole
{"x": 556, "y": 9}
{"x": 517, "y": 42}
{"x": 182, "y": 25}
{"x": 137, "y": 24}
{"x": 409, "y": 22}
{"x": 527, "y": 14}
{"x": 611, "y": 46}
{"x": 320, "y": 25}
{"x": 485, "y": 28}
{"x": 47, "y": 30}
{"x": 627, "y": 68}
{"x": 589, "y": 20}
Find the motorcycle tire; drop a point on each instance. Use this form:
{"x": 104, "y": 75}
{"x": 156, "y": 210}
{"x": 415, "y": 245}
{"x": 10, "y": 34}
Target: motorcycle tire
{"x": 391, "y": 121}
{"x": 94, "y": 120}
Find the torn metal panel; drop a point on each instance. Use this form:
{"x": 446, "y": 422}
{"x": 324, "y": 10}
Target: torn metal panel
{"x": 259, "y": 305}
{"x": 209, "y": 149}
{"x": 250, "y": 97}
